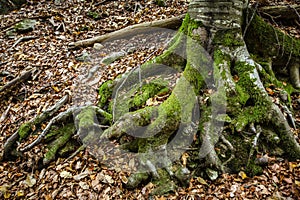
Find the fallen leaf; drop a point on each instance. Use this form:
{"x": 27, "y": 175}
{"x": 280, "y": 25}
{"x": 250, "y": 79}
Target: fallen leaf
{"x": 30, "y": 180}
{"x": 65, "y": 174}
{"x": 243, "y": 175}
{"x": 202, "y": 181}
{"x": 84, "y": 185}
{"x": 288, "y": 180}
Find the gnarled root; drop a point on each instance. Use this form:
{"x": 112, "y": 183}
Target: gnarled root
{"x": 26, "y": 128}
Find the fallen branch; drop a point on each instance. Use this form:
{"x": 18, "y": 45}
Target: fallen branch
{"x": 21, "y": 39}
{"x": 281, "y": 12}
{"x": 10, "y": 25}
{"x": 172, "y": 23}
{"x": 3, "y": 63}
{"x": 13, "y": 83}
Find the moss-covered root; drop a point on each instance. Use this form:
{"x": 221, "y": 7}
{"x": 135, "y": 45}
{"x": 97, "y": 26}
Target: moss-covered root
{"x": 163, "y": 182}
{"x": 291, "y": 146}
{"x": 28, "y": 127}
{"x": 263, "y": 109}
{"x": 261, "y": 37}
{"x": 130, "y": 122}
{"x": 65, "y": 133}
{"x": 295, "y": 73}
{"x": 210, "y": 137}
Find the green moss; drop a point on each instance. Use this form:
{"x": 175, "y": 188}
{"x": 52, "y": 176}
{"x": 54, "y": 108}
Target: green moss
{"x": 159, "y": 131}
{"x": 194, "y": 77}
{"x": 242, "y": 147}
{"x": 199, "y": 63}
{"x": 105, "y": 93}
{"x": 25, "y": 130}
{"x": 66, "y": 133}
{"x": 135, "y": 179}
{"x": 148, "y": 91}
{"x": 69, "y": 147}
{"x": 268, "y": 77}
{"x": 228, "y": 38}
{"x": 188, "y": 25}
{"x": 269, "y": 41}
{"x": 25, "y": 25}
{"x": 253, "y": 170}
{"x": 164, "y": 184}
{"x": 160, "y": 3}
{"x": 86, "y": 118}
{"x": 53, "y": 133}
{"x": 236, "y": 97}
{"x": 94, "y": 15}
{"x": 136, "y": 96}
{"x": 185, "y": 24}
{"x": 257, "y": 105}
{"x": 175, "y": 110}
{"x": 220, "y": 58}
{"x": 173, "y": 56}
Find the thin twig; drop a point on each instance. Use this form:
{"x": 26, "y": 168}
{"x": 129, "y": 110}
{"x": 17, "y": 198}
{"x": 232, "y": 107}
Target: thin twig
{"x": 101, "y": 2}
{"x": 229, "y": 145}
{"x": 81, "y": 148}
{"x": 47, "y": 113}
{"x": 289, "y": 116}
{"x": 248, "y": 24}
{"x": 254, "y": 143}
{"x": 3, "y": 63}
{"x": 3, "y": 116}
{"x": 290, "y": 56}
{"x": 295, "y": 11}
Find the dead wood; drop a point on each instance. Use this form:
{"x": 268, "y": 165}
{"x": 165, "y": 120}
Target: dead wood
{"x": 22, "y": 39}
{"x": 13, "y": 83}
{"x": 171, "y": 23}
{"x": 282, "y": 12}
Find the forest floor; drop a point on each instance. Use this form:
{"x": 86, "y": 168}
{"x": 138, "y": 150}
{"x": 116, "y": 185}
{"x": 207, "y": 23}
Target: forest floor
{"x": 83, "y": 177}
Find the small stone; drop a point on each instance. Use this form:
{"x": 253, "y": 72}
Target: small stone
{"x": 98, "y": 46}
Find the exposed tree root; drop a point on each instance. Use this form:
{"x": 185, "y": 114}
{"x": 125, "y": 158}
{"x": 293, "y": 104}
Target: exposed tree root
{"x": 211, "y": 93}
{"x": 23, "y": 38}
{"x": 26, "y": 128}
{"x": 60, "y": 117}
{"x": 284, "y": 132}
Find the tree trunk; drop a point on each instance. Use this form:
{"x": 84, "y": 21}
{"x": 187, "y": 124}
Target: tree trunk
{"x": 218, "y": 113}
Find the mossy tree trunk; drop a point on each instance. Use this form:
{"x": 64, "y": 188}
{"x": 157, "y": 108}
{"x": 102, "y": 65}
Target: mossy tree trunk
{"x": 219, "y": 105}
{"x": 237, "y": 124}
{"x": 232, "y": 74}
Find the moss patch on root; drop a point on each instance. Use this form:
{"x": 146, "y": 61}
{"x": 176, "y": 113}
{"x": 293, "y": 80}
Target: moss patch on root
{"x": 25, "y": 130}
{"x": 257, "y": 107}
{"x": 261, "y": 37}
{"x": 86, "y": 118}
{"x": 105, "y": 93}
{"x": 65, "y": 133}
